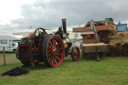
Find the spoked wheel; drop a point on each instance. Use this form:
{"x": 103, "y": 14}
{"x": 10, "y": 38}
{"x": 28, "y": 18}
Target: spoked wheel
{"x": 52, "y": 51}
{"x": 39, "y": 31}
{"x": 75, "y": 54}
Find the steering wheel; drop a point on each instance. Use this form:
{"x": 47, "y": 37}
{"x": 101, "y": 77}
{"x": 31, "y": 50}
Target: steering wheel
{"x": 39, "y": 31}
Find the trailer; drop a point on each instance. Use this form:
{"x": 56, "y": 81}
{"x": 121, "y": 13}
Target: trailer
{"x": 95, "y": 43}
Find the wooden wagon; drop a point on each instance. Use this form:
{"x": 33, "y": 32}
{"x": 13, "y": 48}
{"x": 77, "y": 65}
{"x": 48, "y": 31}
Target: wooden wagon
{"x": 95, "y": 37}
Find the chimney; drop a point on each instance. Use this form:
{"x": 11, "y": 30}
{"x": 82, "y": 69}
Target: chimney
{"x": 64, "y": 26}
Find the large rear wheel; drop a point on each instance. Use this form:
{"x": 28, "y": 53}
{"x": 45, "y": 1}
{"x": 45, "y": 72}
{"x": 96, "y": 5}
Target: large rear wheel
{"x": 52, "y": 51}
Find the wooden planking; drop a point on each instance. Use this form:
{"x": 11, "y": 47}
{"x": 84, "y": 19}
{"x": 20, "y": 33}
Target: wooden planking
{"x": 94, "y": 44}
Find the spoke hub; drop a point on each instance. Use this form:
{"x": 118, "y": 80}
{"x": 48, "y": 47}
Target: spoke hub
{"x": 54, "y": 50}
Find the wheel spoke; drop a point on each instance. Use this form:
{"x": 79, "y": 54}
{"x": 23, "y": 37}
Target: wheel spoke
{"x": 56, "y": 43}
{"x": 58, "y": 51}
{"x": 50, "y": 43}
{"x": 58, "y": 54}
{"x": 53, "y": 43}
{"x": 57, "y": 58}
{"x": 49, "y": 50}
{"x": 49, "y": 47}
{"x": 54, "y": 60}
{"x": 51, "y": 59}
{"x": 49, "y": 54}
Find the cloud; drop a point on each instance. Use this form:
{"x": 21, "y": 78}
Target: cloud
{"x": 48, "y": 13}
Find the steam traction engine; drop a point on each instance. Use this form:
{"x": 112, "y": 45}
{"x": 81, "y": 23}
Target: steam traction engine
{"x": 48, "y": 48}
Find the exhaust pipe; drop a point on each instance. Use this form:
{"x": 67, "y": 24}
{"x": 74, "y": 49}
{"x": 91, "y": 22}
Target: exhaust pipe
{"x": 64, "y": 26}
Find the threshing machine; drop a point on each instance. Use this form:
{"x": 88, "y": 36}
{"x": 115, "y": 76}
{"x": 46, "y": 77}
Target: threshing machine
{"x": 48, "y": 48}
{"x": 92, "y": 44}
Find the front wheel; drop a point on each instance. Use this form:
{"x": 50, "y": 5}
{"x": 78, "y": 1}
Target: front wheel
{"x": 75, "y": 54}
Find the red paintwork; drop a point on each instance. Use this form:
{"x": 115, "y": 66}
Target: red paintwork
{"x": 55, "y": 51}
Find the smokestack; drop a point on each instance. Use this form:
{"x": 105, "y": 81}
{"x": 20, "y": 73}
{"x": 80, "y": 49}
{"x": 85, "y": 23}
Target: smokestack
{"x": 64, "y": 25}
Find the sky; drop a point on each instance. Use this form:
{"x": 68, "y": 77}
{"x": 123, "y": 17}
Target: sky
{"x": 27, "y": 15}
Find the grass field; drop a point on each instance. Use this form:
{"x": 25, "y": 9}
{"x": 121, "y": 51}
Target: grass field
{"x": 10, "y": 58}
{"x": 87, "y": 71}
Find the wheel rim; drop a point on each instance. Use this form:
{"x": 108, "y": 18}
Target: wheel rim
{"x": 76, "y": 54}
{"x": 55, "y": 51}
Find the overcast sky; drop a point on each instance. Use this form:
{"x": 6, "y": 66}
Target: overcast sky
{"x": 22, "y": 15}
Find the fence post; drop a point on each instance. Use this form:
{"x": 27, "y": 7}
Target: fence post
{"x": 4, "y": 55}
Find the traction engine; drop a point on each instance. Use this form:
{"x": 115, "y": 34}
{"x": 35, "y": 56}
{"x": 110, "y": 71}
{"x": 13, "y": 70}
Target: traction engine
{"x": 40, "y": 46}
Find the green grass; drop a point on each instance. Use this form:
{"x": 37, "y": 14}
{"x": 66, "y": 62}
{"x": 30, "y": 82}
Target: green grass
{"x": 10, "y": 58}
{"x": 87, "y": 71}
